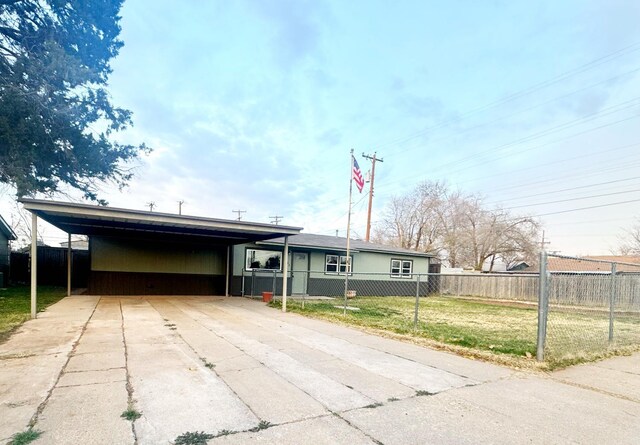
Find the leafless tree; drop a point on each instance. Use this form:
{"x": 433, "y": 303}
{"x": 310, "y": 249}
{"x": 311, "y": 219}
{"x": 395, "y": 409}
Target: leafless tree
{"x": 629, "y": 243}
{"x": 457, "y": 226}
{"x": 410, "y": 221}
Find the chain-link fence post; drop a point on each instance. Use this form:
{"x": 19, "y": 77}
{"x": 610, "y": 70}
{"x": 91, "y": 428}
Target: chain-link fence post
{"x": 273, "y": 284}
{"x": 612, "y": 299}
{"x": 415, "y": 313}
{"x": 543, "y": 306}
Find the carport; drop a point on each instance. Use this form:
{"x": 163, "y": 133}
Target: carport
{"x": 129, "y": 248}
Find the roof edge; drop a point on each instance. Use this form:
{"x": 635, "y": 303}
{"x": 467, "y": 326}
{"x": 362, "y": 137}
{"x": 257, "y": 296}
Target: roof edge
{"x": 35, "y": 205}
{"x": 6, "y": 228}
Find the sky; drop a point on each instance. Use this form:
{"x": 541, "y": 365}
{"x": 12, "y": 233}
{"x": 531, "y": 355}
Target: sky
{"x": 255, "y": 105}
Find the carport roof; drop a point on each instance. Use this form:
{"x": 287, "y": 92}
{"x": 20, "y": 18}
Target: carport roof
{"x": 84, "y": 219}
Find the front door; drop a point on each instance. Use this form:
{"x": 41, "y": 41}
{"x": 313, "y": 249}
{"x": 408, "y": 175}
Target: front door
{"x": 299, "y": 267}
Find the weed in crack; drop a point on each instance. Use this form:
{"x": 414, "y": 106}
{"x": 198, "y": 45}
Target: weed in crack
{"x": 131, "y": 414}
{"x": 225, "y": 433}
{"x": 25, "y": 437}
{"x": 392, "y": 399}
{"x": 373, "y": 405}
{"x": 193, "y": 438}
{"x": 422, "y": 392}
{"x": 263, "y": 425}
{"x": 207, "y": 363}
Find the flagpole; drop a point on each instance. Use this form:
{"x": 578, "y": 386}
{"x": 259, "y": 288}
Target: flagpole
{"x": 348, "y": 265}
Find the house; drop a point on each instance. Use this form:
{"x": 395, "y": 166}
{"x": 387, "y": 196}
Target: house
{"x": 6, "y": 236}
{"x": 319, "y": 263}
{"x": 76, "y": 244}
{"x": 589, "y": 264}
{"x": 133, "y": 252}
{"x": 519, "y": 266}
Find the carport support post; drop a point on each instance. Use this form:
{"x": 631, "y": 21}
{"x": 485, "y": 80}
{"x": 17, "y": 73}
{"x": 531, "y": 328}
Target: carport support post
{"x": 226, "y": 281}
{"x": 285, "y": 272}
{"x": 69, "y": 265}
{"x": 34, "y": 264}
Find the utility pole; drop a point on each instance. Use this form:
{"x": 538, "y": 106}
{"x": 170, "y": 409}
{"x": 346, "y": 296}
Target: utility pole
{"x": 543, "y": 242}
{"x": 180, "y": 207}
{"x": 373, "y": 175}
{"x": 239, "y": 212}
{"x": 275, "y": 219}
{"x": 151, "y": 205}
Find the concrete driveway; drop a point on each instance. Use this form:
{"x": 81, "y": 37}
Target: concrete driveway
{"x": 232, "y": 365}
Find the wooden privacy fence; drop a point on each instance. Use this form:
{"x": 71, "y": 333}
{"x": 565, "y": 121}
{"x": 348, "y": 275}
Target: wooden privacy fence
{"x": 578, "y": 289}
{"x": 501, "y": 287}
{"x": 52, "y": 267}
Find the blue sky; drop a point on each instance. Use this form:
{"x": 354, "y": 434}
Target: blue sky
{"x": 254, "y": 105}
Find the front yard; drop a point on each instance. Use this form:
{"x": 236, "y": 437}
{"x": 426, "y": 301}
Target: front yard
{"x": 15, "y": 305}
{"x": 501, "y": 332}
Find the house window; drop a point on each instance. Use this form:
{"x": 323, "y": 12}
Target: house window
{"x": 263, "y": 259}
{"x": 401, "y": 268}
{"x": 333, "y": 263}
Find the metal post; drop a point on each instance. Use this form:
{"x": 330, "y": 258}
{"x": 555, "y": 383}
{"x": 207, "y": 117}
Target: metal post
{"x": 34, "y": 264}
{"x": 612, "y": 299}
{"x": 253, "y": 281}
{"x": 415, "y": 314}
{"x": 226, "y": 282}
{"x": 273, "y": 284}
{"x": 543, "y": 306}
{"x": 69, "y": 253}
{"x": 285, "y": 272}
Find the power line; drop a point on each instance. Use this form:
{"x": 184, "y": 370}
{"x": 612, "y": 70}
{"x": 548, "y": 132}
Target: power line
{"x": 596, "y": 62}
{"x": 515, "y": 113}
{"x": 587, "y": 208}
{"x": 564, "y": 190}
{"x": 517, "y": 142}
{"x": 571, "y": 199}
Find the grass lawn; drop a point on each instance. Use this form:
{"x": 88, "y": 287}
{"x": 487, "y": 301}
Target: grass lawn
{"x": 495, "y": 331}
{"x": 15, "y": 305}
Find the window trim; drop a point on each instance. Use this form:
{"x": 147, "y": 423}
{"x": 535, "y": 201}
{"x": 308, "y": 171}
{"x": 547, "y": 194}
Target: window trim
{"x": 246, "y": 257}
{"x": 401, "y": 273}
{"x": 340, "y": 257}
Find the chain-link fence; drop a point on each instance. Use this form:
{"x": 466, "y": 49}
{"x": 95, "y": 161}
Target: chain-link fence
{"x": 588, "y": 308}
{"x": 591, "y": 307}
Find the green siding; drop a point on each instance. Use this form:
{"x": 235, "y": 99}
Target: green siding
{"x": 363, "y": 262}
{"x": 371, "y": 263}
{"x": 124, "y": 255}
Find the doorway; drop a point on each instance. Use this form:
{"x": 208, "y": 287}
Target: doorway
{"x": 300, "y": 268}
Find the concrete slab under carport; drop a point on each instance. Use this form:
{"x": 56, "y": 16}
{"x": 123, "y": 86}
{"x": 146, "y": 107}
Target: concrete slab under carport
{"x": 213, "y": 364}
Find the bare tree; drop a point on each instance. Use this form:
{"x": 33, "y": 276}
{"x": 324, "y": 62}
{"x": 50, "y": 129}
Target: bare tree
{"x": 457, "y": 226}
{"x": 411, "y": 221}
{"x": 629, "y": 243}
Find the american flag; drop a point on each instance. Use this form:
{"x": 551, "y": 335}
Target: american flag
{"x": 357, "y": 175}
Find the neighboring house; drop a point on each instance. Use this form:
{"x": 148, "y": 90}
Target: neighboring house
{"x": 518, "y": 267}
{"x": 6, "y": 236}
{"x": 318, "y": 264}
{"x": 600, "y": 264}
{"x": 76, "y": 244}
